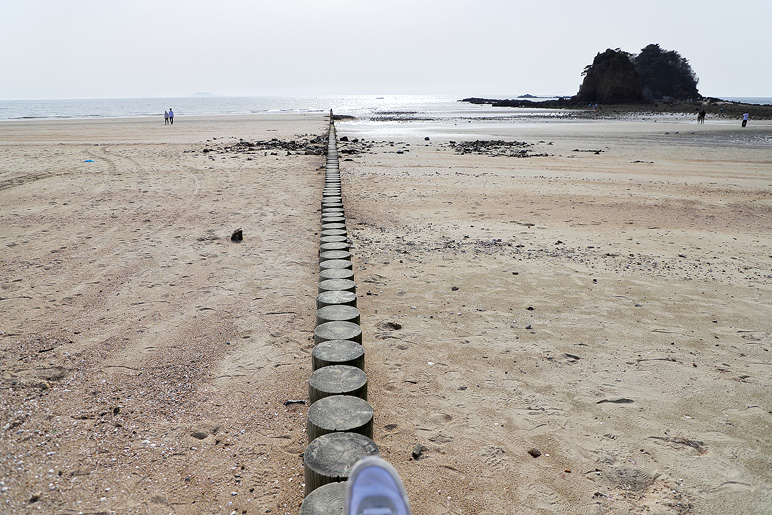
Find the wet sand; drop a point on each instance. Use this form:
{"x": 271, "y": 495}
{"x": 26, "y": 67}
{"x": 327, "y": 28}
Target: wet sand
{"x": 607, "y": 311}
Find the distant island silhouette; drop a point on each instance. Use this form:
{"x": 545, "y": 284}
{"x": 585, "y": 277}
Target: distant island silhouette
{"x": 655, "y": 80}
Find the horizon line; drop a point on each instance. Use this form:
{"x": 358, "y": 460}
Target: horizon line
{"x": 312, "y": 95}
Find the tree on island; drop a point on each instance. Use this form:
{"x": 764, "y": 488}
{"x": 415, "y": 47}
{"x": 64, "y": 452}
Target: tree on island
{"x": 665, "y": 74}
{"x": 616, "y": 77}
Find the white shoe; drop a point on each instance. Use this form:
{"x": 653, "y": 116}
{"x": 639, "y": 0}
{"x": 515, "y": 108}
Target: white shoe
{"x": 374, "y": 488}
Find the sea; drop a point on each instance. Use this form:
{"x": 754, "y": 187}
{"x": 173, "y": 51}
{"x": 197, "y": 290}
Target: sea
{"x": 356, "y": 105}
{"x": 375, "y": 107}
{"x": 749, "y": 100}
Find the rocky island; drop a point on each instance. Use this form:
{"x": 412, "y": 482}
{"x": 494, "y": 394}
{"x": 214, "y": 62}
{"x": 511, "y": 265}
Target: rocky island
{"x": 651, "y": 82}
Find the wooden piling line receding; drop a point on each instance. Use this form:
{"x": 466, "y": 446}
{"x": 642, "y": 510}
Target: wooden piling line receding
{"x": 340, "y": 420}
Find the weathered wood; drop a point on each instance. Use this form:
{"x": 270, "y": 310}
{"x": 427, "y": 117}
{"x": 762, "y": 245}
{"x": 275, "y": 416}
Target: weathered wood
{"x": 338, "y": 331}
{"x": 332, "y": 239}
{"x": 337, "y": 313}
{"x": 334, "y": 254}
{"x": 337, "y": 380}
{"x": 329, "y": 298}
{"x": 333, "y": 220}
{"x": 333, "y": 232}
{"x": 338, "y": 245}
{"x": 337, "y": 414}
{"x": 331, "y": 457}
{"x": 337, "y": 285}
{"x": 336, "y": 273}
{"x": 337, "y": 352}
{"x": 329, "y": 499}
{"x": 336, "y": 263}
{"x": 330, "y": 226}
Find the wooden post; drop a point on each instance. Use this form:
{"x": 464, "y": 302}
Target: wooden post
{"x": 338, "y": 331}
{"x": 338, "y": 352}
{"x": 328, "y": 298}
{"x": 331, "y": 457}
{"x": 337, "y": 380}
{"x": 325, "y": 500}
{"x": 339, "y": 414}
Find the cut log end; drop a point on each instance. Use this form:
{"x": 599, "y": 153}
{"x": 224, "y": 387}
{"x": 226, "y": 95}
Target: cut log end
{"x": 339, "y": 413}
{"x": 330, "y": 458}
{"x": 338, "y": 352}
{"x": 338, "y": 331}
{"x": 337, "y": 380}
{"x": 326, "y": 500}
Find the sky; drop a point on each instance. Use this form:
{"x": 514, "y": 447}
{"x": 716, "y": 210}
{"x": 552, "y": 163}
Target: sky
{"x": 489, "y": 48}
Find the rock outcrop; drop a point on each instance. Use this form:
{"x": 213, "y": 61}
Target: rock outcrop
{"x": 612, "y": 78}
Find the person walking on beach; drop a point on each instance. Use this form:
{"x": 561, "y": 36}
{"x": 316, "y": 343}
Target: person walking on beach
{"x": 171, "y": 116}
{"x": 701, "y": 117}
{"x": 166, "y": 117}
{"x": 745, "y": 119}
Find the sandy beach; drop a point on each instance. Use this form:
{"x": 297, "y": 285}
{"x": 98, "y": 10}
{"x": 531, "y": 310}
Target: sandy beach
{"x": 585, "y": 330}
{"x": 146, "y": 357}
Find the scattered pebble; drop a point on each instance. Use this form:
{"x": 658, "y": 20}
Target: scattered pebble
{"x": 534, "y": 452}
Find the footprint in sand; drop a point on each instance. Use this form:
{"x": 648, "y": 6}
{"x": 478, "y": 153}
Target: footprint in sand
{"x": 441, "y": 418}
{"x": 441, "y": 439}
{"x": 494, "y": 457}
{"x": 630, "y": 478}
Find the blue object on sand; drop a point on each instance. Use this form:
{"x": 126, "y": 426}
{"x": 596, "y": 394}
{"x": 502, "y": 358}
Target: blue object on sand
{"x": 88, "y": 161}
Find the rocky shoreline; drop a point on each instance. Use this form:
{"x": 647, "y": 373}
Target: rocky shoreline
{"x": 712, "y": 106}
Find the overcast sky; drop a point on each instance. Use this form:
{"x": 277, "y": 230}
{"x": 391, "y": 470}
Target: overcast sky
{"x": 139, "y": 48}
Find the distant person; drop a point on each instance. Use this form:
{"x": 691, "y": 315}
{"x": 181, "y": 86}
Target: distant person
{"x": 745, "y": 119}
{"x": 166, "y": 117}
{"x": 701, "y": 117}
{"x": 171, "y": 116}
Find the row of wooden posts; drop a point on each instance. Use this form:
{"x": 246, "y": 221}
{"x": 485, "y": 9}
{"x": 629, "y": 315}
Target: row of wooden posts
{"x": 340, "y": 420}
